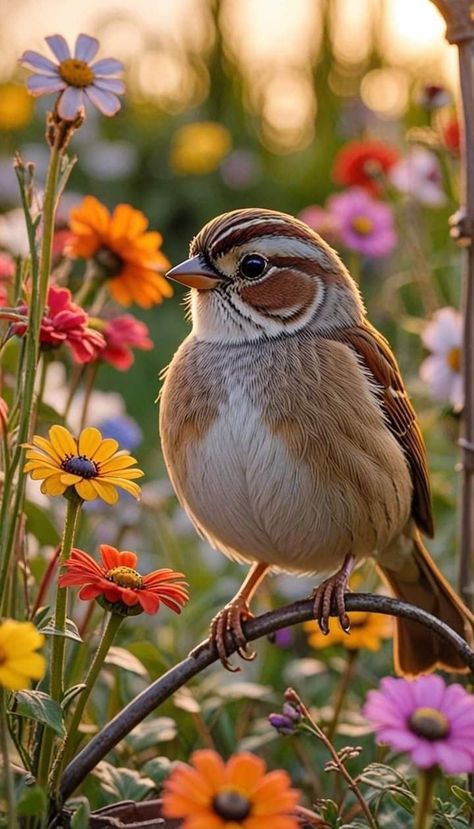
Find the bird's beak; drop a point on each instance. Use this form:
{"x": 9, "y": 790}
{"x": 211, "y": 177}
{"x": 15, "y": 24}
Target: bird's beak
{"x": 195, "y": 274}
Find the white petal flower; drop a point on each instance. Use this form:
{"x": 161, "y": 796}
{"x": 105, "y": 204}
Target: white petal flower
{"x": 441, "y": 371}
{"x": 419, "y": 175}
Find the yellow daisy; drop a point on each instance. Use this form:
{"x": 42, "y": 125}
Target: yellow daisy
{"x": 94, "y": 466}
{"x": 19, "y": 663}
{"x": 367, "y": 631}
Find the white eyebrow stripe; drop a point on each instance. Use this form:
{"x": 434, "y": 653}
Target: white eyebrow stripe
{"x": 248, "y": 222}
{"x": 284, "y": 246}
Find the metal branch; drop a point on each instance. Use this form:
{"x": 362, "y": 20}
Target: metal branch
{"x": 165, "y": 686}
{"x": 459, "y": 18}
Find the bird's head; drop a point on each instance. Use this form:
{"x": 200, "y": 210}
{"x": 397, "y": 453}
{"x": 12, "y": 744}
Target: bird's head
{"x": 258, "y": 274}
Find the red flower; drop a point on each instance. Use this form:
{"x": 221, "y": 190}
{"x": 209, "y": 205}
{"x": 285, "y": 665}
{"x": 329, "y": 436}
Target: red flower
{"x": 118, "y": 582}
{"x": 361, "y": 163}
{"x": 451, "y": 134}
{"x": 65, "y": 322}
{"x": 7, "y": 271}
{"x": 121, "y": 334}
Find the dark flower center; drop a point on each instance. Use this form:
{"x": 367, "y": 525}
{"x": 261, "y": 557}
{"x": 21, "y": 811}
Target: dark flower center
{"x": 429, "y": 723}
{"x": 125, "y": 577}
{"x": 80, "y": 465}
{"x": 109, "y": 262}
{"x": 231, "y": 806}
{"x": 76, "y": 72}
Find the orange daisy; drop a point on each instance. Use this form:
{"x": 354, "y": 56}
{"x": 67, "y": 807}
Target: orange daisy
{"x": 239, "y": 794}
{"x": 125, "y": 253}
{"x": 120, "y": 584}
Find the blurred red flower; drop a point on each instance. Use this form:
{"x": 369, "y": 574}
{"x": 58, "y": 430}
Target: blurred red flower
{"x": 362, "y": 163}
{"x": 118, "y": 582}
{"x": 121, "y": 334}
{"x": 451, "y": 134}
{"x": 65, "y": 322}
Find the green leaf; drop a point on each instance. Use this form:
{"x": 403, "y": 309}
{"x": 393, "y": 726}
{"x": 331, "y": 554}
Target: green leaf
{"x": 71, "y": 631}
{"x": 81, "y": 817}
{"x": 32, "y": 801}
{"x": 125, "y": 784}
{"x": 464, "y": 795}
{"x": 49, "y": 415}
{"x": 71, "y": 695}
{"x": 40, "y": 524}
{"x": 157, "y": 770}
{"x": 122, "y": 658}
{"x": 150, "y": 732}
{"x": 36, "y": 705}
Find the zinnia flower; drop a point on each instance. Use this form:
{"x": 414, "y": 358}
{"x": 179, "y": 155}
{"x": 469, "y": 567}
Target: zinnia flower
{"x": 442, "y": 369}
{"x": 124, "y": 252}
{"x": 419, "y": 176}
{"x": 121, "y": 334}
{"x": 362, "y": 163}
{"x": 92, "y": 465}
{"x": 239, "y": 794}
{"x": 433, "y": 722}
{"x": 66, "y": 323}
{"x": 76, "y": 78}
{"x": 199, "y": 148}
{"x": 19, "y": 663}
{"x": 118, "y": 582}
{"x": 367, "y": 631}
{"x": 365, "y": 225}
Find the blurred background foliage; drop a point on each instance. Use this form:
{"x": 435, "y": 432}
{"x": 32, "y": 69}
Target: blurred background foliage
{"x": 234, "y": 103}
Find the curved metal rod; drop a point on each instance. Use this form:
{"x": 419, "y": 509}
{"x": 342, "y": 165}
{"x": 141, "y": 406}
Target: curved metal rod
{"x": 166, "y": 685}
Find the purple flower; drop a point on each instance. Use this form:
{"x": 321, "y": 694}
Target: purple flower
{"x": 365, "y": 224}
{"x": 76, "y": 78}
{"x": 286, "y": 722}
{"x": 122, "y": 428}
{"x": 432, "y": 722}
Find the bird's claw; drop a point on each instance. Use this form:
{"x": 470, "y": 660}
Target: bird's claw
{"x": 333, "y": 590}
{"x": 229, "y": 620}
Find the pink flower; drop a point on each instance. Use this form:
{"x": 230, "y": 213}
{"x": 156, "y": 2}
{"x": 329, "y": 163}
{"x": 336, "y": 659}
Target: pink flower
{"x": 442, "y": 369}
{"x": 7, "y": 271}
{"x": 365, "y": 224}
{"x": 64, "y": 322}
{"x": 432, "y": 722}
{"x": 322, "y": 221}
{"x": 419, "y": 176}
{"x": 121, "y": 334}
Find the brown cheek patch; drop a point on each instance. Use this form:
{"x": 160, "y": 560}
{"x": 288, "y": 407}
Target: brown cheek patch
{"x": 284, "y": 291}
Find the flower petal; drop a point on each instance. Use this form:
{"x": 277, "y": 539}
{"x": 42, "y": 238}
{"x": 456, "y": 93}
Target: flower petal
{"x": 62, "y": 441}
{"x": 89, "y": 441}
{"x": 107, "y": 448}
{"x": 106, "y": 102}
{"x": 59, "y": 47}
{"x": 106, "y": 491}
{"x": 38, "y": 63}
{"x": 52, "y": 486}
{"x": 110, "y": 85}
{"x": 110, "y": 556}
{"x": 107, "y": 66}
{"x": 86, "y": 491}
{"x": 44, "y": 85}
{"x": 86, "y": 48}
{"x": 46, "y": 446}
{"x": 70, "y": 103}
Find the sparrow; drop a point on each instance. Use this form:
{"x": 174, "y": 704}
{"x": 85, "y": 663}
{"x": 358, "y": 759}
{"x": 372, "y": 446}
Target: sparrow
{"x": 289, "y": 437}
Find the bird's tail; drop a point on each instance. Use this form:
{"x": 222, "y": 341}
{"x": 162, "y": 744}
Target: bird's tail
{"x": 417, "y": 649}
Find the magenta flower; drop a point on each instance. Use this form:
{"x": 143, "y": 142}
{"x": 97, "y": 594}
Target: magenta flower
{"x": 365, "y": 224}
{"x": 432, "y": 722}
{"x": 75, "y": 77}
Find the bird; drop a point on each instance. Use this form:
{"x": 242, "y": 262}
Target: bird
{"x": 289, "y": 437}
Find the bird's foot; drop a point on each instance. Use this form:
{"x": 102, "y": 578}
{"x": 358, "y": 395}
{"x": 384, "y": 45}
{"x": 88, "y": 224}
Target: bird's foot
{"x": 333, "y": 590}
{"x": 229, "y": 620}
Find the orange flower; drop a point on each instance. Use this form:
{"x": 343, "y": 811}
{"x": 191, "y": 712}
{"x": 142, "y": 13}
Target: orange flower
{"x": 117, "y": 581}
{"x": 239, "y": 794}
{"x": 124, "y": 252}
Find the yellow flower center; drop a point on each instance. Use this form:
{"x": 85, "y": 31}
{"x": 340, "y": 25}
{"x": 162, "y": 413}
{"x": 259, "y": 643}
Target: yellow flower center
{"x": 125, "y": 577}
{"x": 362, "y": 225}
{"x": 429, "y": 723}
{"x": 76, "y": 72}
{"x": 231, "y": 806}
{"x": 80, "y": 465}
{"x": 453, "y": 359}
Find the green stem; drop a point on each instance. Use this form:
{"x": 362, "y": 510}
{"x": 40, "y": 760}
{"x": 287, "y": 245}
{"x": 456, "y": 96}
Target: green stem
{"x": 49, "y": 206}
{"x": 106, "y": 641}
{"x": 424, "y": 804}
{"x": 7, "y": 771}
{"x": 58, "y": 643}
{"x": 341, "y": 692}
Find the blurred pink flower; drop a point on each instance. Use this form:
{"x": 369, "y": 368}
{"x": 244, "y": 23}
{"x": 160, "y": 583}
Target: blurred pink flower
{"x": 75, "y": 77}
{"x": 65, "y": 322}
{"x": 323, "y": 222}
{"x": 432, "y": 722}
{"x": 121, "y": 334}
{"x": 365, "y": 224}
{"x": 7, "y": 271}
{"x": 441, "y": 371}
{"x": 419, "y": 176}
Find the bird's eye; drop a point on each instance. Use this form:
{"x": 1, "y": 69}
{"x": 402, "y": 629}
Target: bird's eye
{"x": 252, "y": 266}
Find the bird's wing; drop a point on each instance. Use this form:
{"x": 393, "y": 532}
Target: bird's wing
{"x": 376, "y": 355}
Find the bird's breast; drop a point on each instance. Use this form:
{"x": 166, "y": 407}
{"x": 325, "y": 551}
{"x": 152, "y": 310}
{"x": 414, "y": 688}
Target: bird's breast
{"x": 280, "y": 453}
